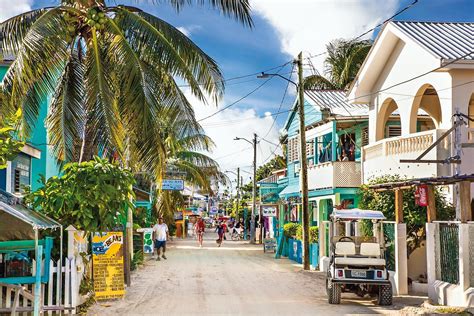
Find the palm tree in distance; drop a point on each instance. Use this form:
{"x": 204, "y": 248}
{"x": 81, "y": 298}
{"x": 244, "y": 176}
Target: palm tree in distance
{"x": 344, "y": 59}
{"x": 111, "y": 72}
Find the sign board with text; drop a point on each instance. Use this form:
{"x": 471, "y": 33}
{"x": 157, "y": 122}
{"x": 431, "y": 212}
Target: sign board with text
{"x": 172, "y": 185}
{"x": 269, "y": 210}
{"x": 107, "y": 264}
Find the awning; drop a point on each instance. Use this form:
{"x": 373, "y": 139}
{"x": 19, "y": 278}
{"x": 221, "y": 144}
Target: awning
{"x": 34, "y": 219}
{"x": 356, "y": 213}
{"x": 290, "y": 190}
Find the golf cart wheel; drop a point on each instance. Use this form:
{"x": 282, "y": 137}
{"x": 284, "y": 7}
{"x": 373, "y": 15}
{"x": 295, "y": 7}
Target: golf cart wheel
{"x": 385, "y": 295}
{"x": 334, "y": 292}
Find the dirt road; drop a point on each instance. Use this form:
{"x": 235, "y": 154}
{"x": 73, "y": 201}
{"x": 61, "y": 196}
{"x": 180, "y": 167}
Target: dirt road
{"x": 236, "y": 279}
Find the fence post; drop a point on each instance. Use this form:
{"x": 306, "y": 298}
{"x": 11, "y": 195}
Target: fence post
{"x": 401, "y": 259}
{"x": 431, "y": 260}
{"x": 70, "y": 240}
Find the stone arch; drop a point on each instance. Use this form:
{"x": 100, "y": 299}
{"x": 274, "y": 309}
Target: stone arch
{"x": 387, "y": 108}
{"x": 426, "y": 99}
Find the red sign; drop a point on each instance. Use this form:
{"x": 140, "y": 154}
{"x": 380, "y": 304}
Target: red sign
{"x": 421, "y": 195}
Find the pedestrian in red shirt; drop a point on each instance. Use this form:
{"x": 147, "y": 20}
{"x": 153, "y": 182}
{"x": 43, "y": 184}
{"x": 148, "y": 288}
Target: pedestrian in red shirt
{"x": 200, "y": 227}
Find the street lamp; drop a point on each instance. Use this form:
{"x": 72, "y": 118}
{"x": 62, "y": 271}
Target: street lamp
{"x": 303, "y": 169}
{"x": 254, "y": 191}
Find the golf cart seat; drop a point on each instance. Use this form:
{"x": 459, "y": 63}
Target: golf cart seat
{"x": 369, "y": 251}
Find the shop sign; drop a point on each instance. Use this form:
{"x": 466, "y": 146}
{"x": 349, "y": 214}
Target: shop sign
{"x": 107, "y": 263}
{"x": 147, "y": 239}
{"x": 172, "y": 185}
{"x": 269, "y": 210}
{"x": 421, "y": 195}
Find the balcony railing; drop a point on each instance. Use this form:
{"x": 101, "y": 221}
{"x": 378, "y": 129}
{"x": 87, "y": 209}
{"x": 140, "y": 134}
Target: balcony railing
{"x": 336, "y": 174}
{"x": 383, "y": 157}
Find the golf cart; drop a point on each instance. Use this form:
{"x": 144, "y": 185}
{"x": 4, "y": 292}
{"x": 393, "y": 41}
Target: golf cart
{"x": 357, "y": 263}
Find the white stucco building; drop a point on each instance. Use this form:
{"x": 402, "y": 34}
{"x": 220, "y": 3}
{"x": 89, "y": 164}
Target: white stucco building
{"x": 421, "y": 74}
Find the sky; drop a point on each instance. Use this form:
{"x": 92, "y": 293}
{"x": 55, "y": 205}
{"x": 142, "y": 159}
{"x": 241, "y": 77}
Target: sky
{"x": 282, "y": 29}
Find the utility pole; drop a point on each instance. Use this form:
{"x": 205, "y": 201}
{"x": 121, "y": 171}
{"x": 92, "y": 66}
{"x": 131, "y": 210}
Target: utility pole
{"x": 303, "y": 163}
{"x": 254, "y": 192}
{"x": 238, "y": 186}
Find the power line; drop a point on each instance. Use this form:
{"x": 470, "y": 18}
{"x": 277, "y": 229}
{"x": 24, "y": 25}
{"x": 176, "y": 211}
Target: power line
{"x": 281, "y": 103}
{"x": 242, "y": 98}
{"x": 372, "y": 29}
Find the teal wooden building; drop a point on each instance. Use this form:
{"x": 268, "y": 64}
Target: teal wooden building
{"x": 35, "y": 159}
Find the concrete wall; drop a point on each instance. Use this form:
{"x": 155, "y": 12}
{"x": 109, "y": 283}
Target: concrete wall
{"x": 417, "y": 263}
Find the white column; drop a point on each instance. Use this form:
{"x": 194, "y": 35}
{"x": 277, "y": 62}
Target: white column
{"x": 401, "y": 260}
{"x": 431, "y": 260}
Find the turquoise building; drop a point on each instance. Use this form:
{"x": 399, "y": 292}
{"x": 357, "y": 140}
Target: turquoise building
{"x": 335, "y": 134}
{"x": 35, "y": 159}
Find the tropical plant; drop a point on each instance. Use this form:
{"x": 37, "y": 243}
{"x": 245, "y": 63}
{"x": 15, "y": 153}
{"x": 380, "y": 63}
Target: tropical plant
{"x": 111, "y": 70}
{"x": 10, "y": 144}
{"x": 91, "y": 196}
{"x": 342, "y": 64}
{"x": 313, "y": 234}
{"x": 290, "y": 229}
{"x": 414, "y": 215}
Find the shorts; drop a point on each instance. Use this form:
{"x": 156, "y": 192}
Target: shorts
{"x": 160, "y": 244}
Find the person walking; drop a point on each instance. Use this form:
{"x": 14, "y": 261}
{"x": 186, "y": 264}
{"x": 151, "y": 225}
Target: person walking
{"x": 160, "y": 235}
{"x": 220, "y": 233}
{"x": 200, "y": 227}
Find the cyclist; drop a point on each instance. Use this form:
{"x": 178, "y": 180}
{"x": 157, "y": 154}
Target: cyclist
{"x": 200, "y": 227}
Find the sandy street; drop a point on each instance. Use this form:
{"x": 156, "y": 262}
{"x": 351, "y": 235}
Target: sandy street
{"x": 236, "y": 279}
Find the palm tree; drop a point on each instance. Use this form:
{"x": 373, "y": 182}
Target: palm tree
{"x": 344, "y": 59}
{"x": 111, "y": 70}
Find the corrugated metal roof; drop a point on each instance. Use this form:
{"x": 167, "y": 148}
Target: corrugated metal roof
{"x": 444, "y": 40}
{"x": 336, "y": 102}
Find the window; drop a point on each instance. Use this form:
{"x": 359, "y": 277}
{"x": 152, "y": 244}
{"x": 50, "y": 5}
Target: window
{"x": 365, "y": 136}
{"x": 310, "y": 148}
{"x": 293, "y": 149}
{"x": 16, "y": 183}
{"x": 394, "y": 131}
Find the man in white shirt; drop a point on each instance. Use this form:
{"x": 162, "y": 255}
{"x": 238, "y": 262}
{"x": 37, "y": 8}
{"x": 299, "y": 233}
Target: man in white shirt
{"x": 160, "y": 235}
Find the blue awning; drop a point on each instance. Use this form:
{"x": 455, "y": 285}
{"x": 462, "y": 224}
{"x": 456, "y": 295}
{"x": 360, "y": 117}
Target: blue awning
{"x": 290, "y": 190}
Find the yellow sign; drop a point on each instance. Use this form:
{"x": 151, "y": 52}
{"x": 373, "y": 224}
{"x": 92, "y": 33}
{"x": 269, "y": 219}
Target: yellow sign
{"x": 107, "y": 263}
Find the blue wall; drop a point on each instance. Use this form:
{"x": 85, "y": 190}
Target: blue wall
{"x": 47, "y": 164}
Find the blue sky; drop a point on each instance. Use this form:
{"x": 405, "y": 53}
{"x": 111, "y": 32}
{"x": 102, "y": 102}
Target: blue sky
{"x": 282, "y": 29}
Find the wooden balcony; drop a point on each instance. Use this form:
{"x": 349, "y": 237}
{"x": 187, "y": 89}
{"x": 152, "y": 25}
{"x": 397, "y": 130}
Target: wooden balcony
{"x": 334, "y": 174}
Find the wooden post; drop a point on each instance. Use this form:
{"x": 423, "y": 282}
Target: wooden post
{"x": 431, "y": 208}
{"x": 465, "y": 196}
{"x": 399, "y": 206}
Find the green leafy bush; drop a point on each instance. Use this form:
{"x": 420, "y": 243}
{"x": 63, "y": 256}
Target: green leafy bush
{"x": 313, "y": 234}
{"x": 10, "y": 145}
{"x": 91, "y": 195}
{"x": 290, "y": 229}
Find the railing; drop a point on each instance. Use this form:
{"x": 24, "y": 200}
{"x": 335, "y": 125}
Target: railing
{"x": 383, "y": 157}
{"x": 334, "y": 174}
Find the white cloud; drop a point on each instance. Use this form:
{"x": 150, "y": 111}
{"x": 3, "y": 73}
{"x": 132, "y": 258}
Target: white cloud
{"x": 189, "y": 29}
{"x": 308, "y": 25}
{"x": 235, "y": 122}
{"x": 10, "y": 8}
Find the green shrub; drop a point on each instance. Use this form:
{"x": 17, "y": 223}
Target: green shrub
{"x": 313, "y": 234}
{"x": 290, "y": 229}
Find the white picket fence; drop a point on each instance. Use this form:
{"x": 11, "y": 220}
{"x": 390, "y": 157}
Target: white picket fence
{"x": 54, "y": 295}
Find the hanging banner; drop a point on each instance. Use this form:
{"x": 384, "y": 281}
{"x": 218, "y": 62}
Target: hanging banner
{"x": 107, "y": 264}
{"x": 421, "y": 195}
{"x": 269, "y": 210}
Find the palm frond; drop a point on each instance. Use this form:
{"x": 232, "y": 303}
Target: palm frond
{"x": 314, "y": 82}
{"x": 237, "y": 9}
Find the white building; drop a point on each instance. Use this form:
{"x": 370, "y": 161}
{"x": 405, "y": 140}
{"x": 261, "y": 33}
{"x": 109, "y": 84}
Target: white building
{"x": 418, "y": 70}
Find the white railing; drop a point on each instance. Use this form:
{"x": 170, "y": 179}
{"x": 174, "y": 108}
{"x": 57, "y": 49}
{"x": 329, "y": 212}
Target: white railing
{"x": 334, "y": 174}
{"x": 383, "y": 157}
{"x": 50, "y": 292}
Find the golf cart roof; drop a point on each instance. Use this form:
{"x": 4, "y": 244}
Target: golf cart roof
{"x": 357, "y": 213}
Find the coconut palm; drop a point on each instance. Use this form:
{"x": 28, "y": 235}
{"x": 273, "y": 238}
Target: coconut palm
{"x": 344, "y": 59}
{"x": 111, "y": 70}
